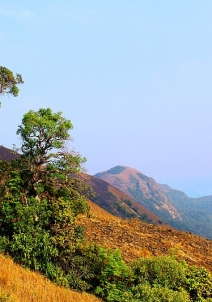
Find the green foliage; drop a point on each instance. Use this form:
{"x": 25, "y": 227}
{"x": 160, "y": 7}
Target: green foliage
{"x": 199, "y": 282}
{"x": 128, "y": 202}
{"x": 83, "y": 269}
{"x": 115, "y": 275}
{"x": 160, "y": 272}
{"x": 143, "y": 177}
{"x": 41, "y": 194}
{"x": 9, "y": 82}
{"x": 33, "y": 250}
{"x": 40, "y": 132}
{"x": 116, "y": 170}
{"x": 169, "y": 280}
{"x": 5, "y": 297}
{"x": 144, "y": 293}
{"x": 3, "y": 244}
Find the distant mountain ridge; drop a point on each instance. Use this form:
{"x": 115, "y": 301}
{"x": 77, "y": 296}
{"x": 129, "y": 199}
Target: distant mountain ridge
{"x": 173, "y": 206}
{"x": 145, "y": 190}
{"x": 196, "y": 212}
{"x": 118, "y": 203}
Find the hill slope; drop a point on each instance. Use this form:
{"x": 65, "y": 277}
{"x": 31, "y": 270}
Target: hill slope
{"x": 173, "y": 206}
{"x": 7, "y": 154}
{"x": 107, "y": 196}
{"x": 117, "y": 202}
{"x": 136, "y": 239}
{"x": 196, "y": 212}
{"x": 20, "y": 285}
{"x": 145, "y": 190}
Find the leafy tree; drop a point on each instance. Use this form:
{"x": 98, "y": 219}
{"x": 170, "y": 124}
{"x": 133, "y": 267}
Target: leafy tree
{"x": 115, "y": 275}
{"x": 44, "y": 136}
{"x": 41, "y": 132}
{"x": 9, "y": 82}
{"x": 41, "y": 194}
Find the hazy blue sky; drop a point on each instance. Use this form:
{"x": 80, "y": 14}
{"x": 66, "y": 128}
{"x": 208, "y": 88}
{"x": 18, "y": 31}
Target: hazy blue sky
{"x": 133, "y": 76}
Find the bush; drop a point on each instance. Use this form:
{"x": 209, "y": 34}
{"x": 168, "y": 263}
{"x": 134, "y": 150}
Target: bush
{"x": 114, "y": 275}
{"x": 199, "y": 283}
{"x": 144, "y": 293}
{"x": 160, "y": 272}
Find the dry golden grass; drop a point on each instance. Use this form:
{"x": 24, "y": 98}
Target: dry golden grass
{"x": 101, "y": 213}
{"x": 26, "y": 286}
{"x": 136, "y": 239}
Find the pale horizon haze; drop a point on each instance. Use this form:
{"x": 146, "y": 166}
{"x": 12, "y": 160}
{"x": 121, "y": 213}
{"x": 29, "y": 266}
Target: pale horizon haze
{"x": 134, "y": 77}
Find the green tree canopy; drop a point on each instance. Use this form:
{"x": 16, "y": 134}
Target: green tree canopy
{"x": 9, "y": 82}
{"x": 41, "y": 132}
{"x": 45, "y": 136}
{"x": 41, "y": 194}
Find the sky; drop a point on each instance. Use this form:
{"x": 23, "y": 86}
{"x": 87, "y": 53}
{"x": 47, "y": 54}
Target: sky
{"x": 133, "y": 76}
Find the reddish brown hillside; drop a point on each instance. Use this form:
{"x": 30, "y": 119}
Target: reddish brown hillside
{"x": 136, "y": 239}
{"x": 144, "y": 190}
{"x": 7, "y": 154}
{"x": 117, "y": 202}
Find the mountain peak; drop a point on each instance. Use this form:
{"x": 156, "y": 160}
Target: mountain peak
{"x": 117, "y": 170}
{"x": 145, "y": 190}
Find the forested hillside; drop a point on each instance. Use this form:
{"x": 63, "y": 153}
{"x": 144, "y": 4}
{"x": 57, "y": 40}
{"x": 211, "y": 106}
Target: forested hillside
{"x": 196, "y": 212}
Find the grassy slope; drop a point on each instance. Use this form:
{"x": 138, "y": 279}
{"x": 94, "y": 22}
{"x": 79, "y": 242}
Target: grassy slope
{"x": 26, "y": 286}
{"x": 133, "y": 238}
{"x": 136, "y": 239}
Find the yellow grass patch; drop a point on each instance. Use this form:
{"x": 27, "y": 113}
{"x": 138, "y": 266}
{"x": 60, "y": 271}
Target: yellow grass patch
{"x": 20, "y": 285}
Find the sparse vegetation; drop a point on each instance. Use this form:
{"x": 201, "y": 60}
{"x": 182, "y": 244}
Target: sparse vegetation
{"x": 118, "y": 203}
{"x": 115, "y": 170}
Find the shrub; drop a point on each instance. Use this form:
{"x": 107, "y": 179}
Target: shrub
{"x": 199, "y": 283}
{"x": 114, "y": 275}
{"x": 144, "y": 293}
{"x": 160, "y": 272}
